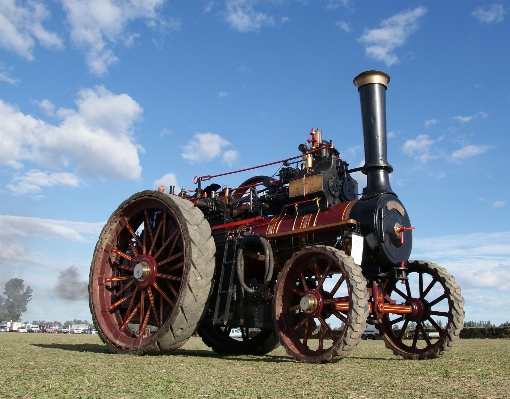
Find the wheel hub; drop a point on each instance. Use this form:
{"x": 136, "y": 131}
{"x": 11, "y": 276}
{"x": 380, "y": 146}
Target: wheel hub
{"x": 311, "y": 303}
{"x": 308, "y": 303}
{"x": 145, "y": 271}
{"x": 142, "y": 271}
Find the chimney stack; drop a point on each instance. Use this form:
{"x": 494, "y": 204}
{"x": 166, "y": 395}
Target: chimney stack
{"x": 372, "y": 91}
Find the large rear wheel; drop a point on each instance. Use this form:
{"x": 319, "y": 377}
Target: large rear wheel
{"x": 151, "y": 275}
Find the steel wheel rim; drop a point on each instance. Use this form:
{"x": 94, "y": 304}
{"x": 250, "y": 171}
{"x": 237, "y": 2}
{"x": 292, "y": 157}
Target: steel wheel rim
{"x": 128, "y": 306}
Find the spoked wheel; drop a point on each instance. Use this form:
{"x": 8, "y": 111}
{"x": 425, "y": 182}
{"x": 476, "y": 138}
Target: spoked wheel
{"x": 251, "y": 342}
{"x": 151, "y": 274}
{"x": 320, "y": 288}
{"x": 437, "y": 313}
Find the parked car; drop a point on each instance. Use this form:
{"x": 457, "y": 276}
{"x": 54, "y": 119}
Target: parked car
{"x": 4, "y": 329}
{"x": 371, "y": 332}
{"x": 22, "y": 329}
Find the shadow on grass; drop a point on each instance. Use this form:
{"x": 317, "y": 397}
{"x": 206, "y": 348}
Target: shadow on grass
{"x": 93, "y": 348}
{"x": 97, "y": 348}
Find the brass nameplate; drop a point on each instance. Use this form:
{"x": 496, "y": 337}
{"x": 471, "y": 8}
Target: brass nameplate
{"x": 306, "y": 185}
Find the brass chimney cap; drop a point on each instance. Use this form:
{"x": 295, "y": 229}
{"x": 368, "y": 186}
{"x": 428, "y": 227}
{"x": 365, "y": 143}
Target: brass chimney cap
{"x": 368, "y": 77}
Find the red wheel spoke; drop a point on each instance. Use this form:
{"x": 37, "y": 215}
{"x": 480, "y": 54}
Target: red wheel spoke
{"x": 115, "y": 279}
{"x": 436, "y": 313}
{"x": 169, "y": 277}
{"x": 119, "y": 302}
{"x": 438, "y": 299}
{"x": 131, "y": 231}
{"x": 165, "y": 243}
{"x": 171, "y": 288}
{"x": 163, "y": 294}
{"x": 133, "y": 248}
{"x": 155, "y": 236}
{"x": 397, "y": 320}
{"x": 297, "y": 291}
{"x": 401, "y": 293}
{"x": 337, "y": 285}
{"x": 306, "y": 332}
{"x": 408, "y": 289}
{"x": 335, "y": 300}
{"x": 429, "y": 288}
{"x": 144, "y": 324}
{"x": 415, "y": 337}
{"x": 122, "y": 254}
{"x": 300, "y": 324}
{"x": 148, "y": 225}
{"x": 423, "y": 333}
{"x": 403, "y": 330}
{"x": 340, "y": 316}
{"x": 293, "y": 308}
{"x": 132, "y": 302}
{"x": 171, "y": 258}
{"x": 177, "y": 266}
{"x": 316, "y": 271}
{"x": 436, "y": 326}
{"x": 327, "y": 328}
{"x": 142, "y": 307}
{"x": 303, "y": 281}
{"x": 324, "y": 274}
{"x": 153, "y": 305}
{"x": 125, "y": 267}
{"x": 321, "y": 339}
{"x": 126, "y": 286}
{"x": 129, "y": 318}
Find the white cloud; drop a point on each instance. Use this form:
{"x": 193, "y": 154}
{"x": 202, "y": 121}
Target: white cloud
{"x": 14, "y": 229}
{"x": 96, "y": 139}
{"x": 480, "y": 264}
{"x": 205, "y": 147}
{"x": 167, "y": 180}
{"x": 430, "y": 122}
{"x": 230, "y": 156}
{"x": 21, "y": 25}
{"x": 419, "y": 148}
{"x": 467, "y": 119}
{"x": 46, "y": 106}
{"x": 222, "y": 94}
{"x": 494, "y": 204}
{"x": 493, "y": 14}
{"x": 380, "y": 43}
{"x": 336, "y": 4}
{"x": 4, "y": 77}
{"x": 241, "y": 16}
{"x": 32, "y": 181}
{"x": 469, "y": 151}
{"x": 344, "y": 26}
{"x": 98, "y": 25}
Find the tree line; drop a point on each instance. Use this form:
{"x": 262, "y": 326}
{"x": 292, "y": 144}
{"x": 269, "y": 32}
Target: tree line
{"x": 16, "y": 299}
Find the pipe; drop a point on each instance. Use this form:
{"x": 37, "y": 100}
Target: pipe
{"x": 372, "y": 90}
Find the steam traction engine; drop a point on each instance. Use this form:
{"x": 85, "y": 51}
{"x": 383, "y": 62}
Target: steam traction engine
{"x": 298, "y": 258}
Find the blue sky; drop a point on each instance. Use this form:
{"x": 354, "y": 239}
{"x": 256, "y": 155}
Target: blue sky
{"x": 100, "y": 99}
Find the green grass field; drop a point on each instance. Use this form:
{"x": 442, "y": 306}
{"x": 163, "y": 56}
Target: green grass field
{"x": 79, "y": 366}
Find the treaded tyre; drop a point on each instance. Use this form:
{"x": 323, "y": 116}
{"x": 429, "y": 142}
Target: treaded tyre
{"x": 320, "y": 285}
{"x": 220, "y": 341}
{"x": 151, "y": 274}
{"x": 438, "y": 308}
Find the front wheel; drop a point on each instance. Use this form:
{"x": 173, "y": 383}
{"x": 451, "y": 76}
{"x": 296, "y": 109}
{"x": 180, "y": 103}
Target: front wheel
{"x": 436, "y": 320}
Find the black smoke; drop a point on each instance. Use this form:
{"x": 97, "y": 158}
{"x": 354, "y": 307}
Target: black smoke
{"x": 70, "y": 286}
